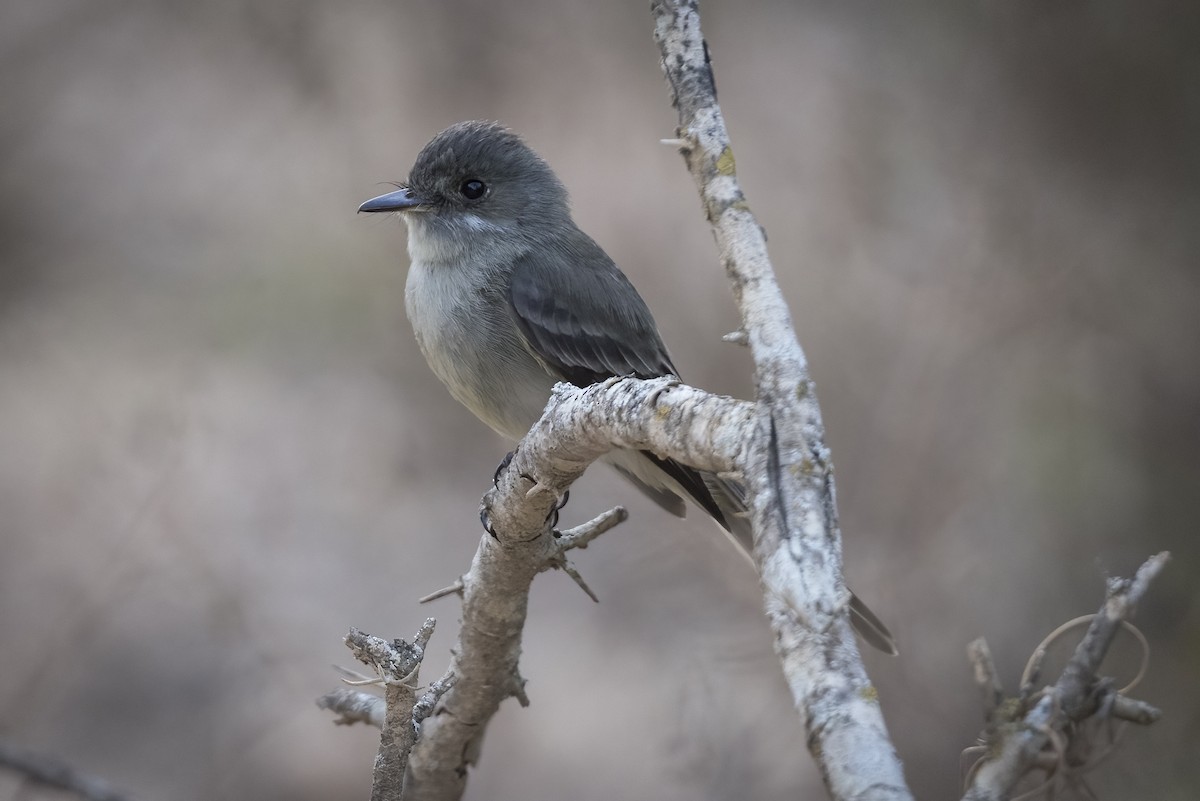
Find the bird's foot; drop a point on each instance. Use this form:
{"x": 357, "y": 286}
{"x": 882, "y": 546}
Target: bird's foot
{"x": 505, "y": 462}
{"x": 486, "y": 519}
{"x": 552, "y": 518}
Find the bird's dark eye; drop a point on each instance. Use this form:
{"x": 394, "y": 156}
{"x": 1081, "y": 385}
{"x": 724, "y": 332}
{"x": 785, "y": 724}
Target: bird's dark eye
{"x": 472, "y": 189}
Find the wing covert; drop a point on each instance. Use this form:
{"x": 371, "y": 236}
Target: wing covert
{"x": 582, "y": 317}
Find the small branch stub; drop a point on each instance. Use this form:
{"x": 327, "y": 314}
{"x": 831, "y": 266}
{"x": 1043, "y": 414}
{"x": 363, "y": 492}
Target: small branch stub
{"x": 580, "y": 536}
{"x": 453, "y": 589}
{"x": 986, "y": 676}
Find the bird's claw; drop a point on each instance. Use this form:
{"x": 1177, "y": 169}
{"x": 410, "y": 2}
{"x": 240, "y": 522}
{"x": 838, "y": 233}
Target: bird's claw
{"x": 505, "y": 462}
{"x": 552, "y": 518}
{"x": 487, "y": 522}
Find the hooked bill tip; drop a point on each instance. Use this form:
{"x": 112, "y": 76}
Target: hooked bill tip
{"x": 400, "y": 200}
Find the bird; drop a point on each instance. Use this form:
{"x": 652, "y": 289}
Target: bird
{"x": 507, "y": 297}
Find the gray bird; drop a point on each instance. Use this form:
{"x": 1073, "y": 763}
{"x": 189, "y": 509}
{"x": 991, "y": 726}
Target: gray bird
{"x": 508, "y": 297}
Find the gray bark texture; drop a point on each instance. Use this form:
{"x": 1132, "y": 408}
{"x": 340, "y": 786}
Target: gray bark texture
{"x": 787, "y": 466}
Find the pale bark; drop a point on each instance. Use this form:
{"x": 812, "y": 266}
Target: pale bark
{"x": 578, "y": 426}
{"x": 787, "y": 466}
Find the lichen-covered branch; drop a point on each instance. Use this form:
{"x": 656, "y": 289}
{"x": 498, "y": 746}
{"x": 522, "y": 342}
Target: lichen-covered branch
{"x": 578, "y": 426}
{"x": 1040, "y": 732}
{"x": 661, "y": 415}
{"x": 397, "y": 663}
{"x": 787, "y": 466}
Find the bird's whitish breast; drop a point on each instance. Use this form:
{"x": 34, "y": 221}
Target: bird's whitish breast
{"x": 472, "y": 345}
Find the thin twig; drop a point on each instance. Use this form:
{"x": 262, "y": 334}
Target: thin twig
{"x": 580, "y": 536}
{"x": 454, "y": 589}
{"x": 987, "y": 678}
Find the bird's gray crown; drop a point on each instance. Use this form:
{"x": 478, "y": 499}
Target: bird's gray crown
{"x": 518, "y": 187}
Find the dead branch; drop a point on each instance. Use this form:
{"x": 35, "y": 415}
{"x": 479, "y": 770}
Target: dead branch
{"x": 578, "y": 426}
{"x": 789, "y": 473}
{"x": 397, "y": 665}
{"x": 1045, "y": 730}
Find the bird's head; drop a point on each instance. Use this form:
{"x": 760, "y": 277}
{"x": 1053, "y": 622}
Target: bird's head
{"x": 477, "y": 184}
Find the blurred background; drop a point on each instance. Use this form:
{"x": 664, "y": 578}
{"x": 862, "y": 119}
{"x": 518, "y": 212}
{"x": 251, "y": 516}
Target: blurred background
{"x": 220, "y": 447}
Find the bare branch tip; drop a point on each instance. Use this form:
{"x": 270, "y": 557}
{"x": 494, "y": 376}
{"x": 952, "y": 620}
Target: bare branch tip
{"x": 679, "y": 143}
{"x": 986, "y": 676}
{"x": 1148, "y": 572}
{"x": 454, "y": 589}
{"x": 1135, "y": 711}
{"x": 425, "y": 632}
{"x": 517, "y": 688}
{"x": 582, "y": 535}
{"x": 364, "y": 682}
{"x": 568, "y": 568}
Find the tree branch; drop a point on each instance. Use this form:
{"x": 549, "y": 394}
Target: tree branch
{"x": 577, "y": 427}
{"x": 1040, "y": 731}
{"x": 786, "y": 464}
{"x": 397, "y": 664}
{"x": 50, "y": 771}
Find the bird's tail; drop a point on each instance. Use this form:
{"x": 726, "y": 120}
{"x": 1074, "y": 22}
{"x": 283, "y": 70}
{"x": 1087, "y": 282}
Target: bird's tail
{"x": 667, "y": 483}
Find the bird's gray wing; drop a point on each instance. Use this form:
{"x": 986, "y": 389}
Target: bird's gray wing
{"x": 583, "y": 319}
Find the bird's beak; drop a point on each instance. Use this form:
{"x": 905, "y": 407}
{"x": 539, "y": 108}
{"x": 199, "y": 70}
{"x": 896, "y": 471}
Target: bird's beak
{"x": 401, "y": 200}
